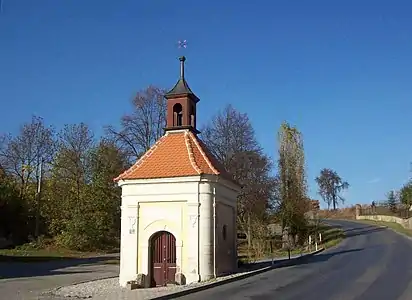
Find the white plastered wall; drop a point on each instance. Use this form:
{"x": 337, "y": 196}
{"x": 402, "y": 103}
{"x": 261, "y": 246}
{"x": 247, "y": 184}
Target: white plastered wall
{"x": 185, "y": 207}
{"x": 226, "y": 248}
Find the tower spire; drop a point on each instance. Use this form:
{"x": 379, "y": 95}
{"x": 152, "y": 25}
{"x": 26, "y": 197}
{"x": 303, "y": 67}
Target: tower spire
{"x": 181, "y": 88}
{"x": 182, "y": 67}
{"x": 181, "y": 104}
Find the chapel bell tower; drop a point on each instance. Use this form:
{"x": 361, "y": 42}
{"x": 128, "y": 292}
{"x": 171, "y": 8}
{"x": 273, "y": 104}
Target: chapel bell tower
{"x": 181, "y": 104}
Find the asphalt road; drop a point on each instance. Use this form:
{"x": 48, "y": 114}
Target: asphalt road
{"x": 371, "y": 264}
{"x": 29, "y": 280}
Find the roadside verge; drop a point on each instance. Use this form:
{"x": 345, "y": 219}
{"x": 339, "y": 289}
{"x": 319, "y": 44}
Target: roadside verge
{"x": 395, "y": 227}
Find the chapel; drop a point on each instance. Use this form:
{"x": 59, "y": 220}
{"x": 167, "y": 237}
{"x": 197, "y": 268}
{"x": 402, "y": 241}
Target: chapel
{"x": 178, "y": 210}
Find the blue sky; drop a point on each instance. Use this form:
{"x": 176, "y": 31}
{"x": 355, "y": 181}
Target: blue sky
{"x": 340, "y": 71}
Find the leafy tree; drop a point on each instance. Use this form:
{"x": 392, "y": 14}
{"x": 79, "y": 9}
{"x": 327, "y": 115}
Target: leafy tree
{"x": 107, "y": 163}
{"x": 292, "y": 182}
{"x": 13, "y": 214}
{"x": 330, "y": 185}
{"x": 405, "y": 194}
{"x": 144, "y": 126}
{"x": 70, "y": 202}
{"x": 391, "y": 201}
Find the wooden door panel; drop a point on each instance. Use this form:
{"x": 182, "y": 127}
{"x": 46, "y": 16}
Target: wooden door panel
{"x": 163, "y": 258}
{"x": 171, "y": 272}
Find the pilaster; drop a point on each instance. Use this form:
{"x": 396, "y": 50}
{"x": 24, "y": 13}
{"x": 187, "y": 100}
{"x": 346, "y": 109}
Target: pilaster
{"x": 128, "y": 244}
{"x": 206, "y": 232}
{"x": 192, "y": 247}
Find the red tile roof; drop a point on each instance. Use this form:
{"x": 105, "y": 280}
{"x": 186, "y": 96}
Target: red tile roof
{"x": 176, "y": 154}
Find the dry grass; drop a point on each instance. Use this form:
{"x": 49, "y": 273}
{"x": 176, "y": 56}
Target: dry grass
{"x": 347, "y": 213}
{"x": 31, "y": 252}
{"x": 331, "y": 236}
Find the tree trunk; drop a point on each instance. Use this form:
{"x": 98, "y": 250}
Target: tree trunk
{"x": 249, "y": 238}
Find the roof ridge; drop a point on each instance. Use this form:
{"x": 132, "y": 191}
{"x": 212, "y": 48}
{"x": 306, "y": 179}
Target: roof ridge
{"x": 141, "y": 160}
{"x": 193, "y": 137}
{"x": 190, "y": 153}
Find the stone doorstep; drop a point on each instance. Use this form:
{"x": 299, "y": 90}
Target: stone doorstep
{"x": 186, "y": 290}
{"x": 132, "y": 286}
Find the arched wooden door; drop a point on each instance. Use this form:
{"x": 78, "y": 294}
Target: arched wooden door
{"x": 163, "y": 258}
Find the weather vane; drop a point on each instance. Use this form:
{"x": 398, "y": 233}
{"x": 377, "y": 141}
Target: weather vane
{"x": 181, "y": 44}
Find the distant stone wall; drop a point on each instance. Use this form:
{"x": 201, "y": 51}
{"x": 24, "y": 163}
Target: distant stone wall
{"x": 406, "y": 223}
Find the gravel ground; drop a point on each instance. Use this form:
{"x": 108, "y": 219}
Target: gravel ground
{"x": 110, "y": 289}
{"x": 90, "y": 289}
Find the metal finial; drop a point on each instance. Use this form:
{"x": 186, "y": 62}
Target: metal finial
{"x": 182, "y": 66}
{"x": 182, "y": 44}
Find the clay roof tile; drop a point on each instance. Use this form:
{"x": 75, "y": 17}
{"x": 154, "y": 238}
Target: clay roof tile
{"x": 177, "y": 154}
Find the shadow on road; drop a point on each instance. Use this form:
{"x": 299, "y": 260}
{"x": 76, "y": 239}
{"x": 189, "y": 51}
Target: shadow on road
{"x": 362, "y": 230}
{"x": 325, "y": 256}
{"x": 19, "y": 269}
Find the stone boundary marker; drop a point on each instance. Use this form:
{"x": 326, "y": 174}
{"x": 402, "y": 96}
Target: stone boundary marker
{"x": 280, "y": 264}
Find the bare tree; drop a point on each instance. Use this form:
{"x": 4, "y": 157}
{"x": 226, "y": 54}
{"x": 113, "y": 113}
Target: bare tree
{"x": 228, "y": 134}
{"x": 144, "y": 126}
{"x": 72, "y": 163}
{"x": 4, "y": 140}
{"x": 21, "y": 155}
{"x": 330, "y": 185}
{"x": 253, "y": 172}
{"x": 231, "y": 138}
{"x": 26, "y": 155}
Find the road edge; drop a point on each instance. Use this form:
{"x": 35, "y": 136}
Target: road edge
{"x": 376, "y": 225}
{"x": 281, "y": 264}
{"x": 379, "y": 226}
{"x": 391, "y": 229}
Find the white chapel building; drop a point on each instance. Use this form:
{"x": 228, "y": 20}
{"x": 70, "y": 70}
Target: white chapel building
{"x": 178, "y": 211}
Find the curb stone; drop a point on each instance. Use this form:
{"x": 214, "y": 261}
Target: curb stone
{"x": 286, "y": 263}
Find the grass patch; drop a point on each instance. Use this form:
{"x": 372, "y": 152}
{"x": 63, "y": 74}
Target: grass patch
{"x": 285, "y": 253}
{"x": 394, "y": 226}
{"x": 112, "y": 262}
{"x": 332, "y": 237}
{"x": 14, "y": 255}
{"x": 31, "y": 252}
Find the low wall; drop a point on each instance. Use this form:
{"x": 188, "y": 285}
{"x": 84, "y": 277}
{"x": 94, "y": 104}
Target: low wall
{"x": 406, "y": 223}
